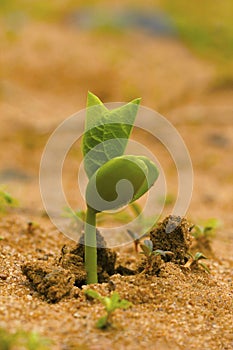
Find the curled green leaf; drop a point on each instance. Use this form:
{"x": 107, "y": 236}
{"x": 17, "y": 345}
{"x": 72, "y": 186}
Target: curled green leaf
{"x": 120, "y": 181}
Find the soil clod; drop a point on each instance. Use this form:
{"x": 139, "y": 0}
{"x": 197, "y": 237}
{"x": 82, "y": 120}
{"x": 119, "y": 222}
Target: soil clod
{"x": 173, "y": 234}
{"x": 106, "y": 258}
{"x": 51, "y": 281}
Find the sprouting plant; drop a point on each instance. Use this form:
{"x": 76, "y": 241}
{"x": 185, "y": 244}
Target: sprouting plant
{"x": 207, "y": 229}
{"x": 6, "y": 201}
{"x": 115, "y": 179}
{"x": 147, "y": 250}
{"x": 194, "y": 261}
{"x": 22, "y": 340}
{"x": 111, "y": 304}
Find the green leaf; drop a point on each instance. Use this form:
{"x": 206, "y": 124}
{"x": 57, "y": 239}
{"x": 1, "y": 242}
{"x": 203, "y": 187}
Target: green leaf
{"x": 210, "y": 225}
{"x": 148, "y": 243}
{"x": 152, "y": 175}
{"x": 199, "y": 256}
{"x": 117, "y": 303}
{"x": 199, "y": 230}
{"x": 6, "y": 201}
{"x": 93, "y": 294}
{"x": 115, "y": 183}
{"x": 163, "y": 252}
{"x": 145, "y": 250}
{"x": 204, "y": 267}
{"x": 120, "y": 181}
{"x": 124, "y": 304}
{"x": 115, "y": 298}
{"x": 107, "y": 303}
{"x": 106, "y": 132}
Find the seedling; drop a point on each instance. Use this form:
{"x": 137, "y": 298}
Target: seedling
{"x": 111, "y": 304}
{"x": 115, "y": 180}
{"x": 207, "y": 229}
{"x": 6, "y": 201}
{"x": 194, "y": 261}
{"x": 147, "y": 250}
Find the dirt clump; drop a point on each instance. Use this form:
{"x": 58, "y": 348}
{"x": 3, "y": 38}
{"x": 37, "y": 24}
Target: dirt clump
{"x": 55, "y": 279}
{"x": 173, "y": 234}
{"x": 106, "y": 258}
{"x": 74, "y": 264}
{"x": 53, "y": 282}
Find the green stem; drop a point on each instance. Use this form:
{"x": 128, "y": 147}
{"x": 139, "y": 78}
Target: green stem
{"x": 90, "y": 246}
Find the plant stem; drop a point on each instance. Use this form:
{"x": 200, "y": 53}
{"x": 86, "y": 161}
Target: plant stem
{"x": 90, "y": 246}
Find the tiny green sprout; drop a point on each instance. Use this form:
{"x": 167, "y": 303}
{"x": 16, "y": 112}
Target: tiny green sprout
{"x": 147, "y": 250}
{"x": 195, "y": 261}
{"x": 6, "y": 201}
{"x": 164, "y": 253}
{"x": 114, "y": 179}
{"x": 207, "y": 229}
{"x": 110, "y": 304}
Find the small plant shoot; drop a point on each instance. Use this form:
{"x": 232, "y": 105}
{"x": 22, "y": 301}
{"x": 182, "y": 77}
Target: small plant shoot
{"x": 110, "y": 304}
{"x": 207, "y": 229}
{"x": 115, "y": 179}
{"x": 148, "y": 252}
{"x": 6, "y": 201}
{"x": 194, "y": 261}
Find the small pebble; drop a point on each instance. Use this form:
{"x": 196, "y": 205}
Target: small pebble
{"x": 3, "y": 276}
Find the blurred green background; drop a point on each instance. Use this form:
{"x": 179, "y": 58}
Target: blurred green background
{"x": 205, "y": 26}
